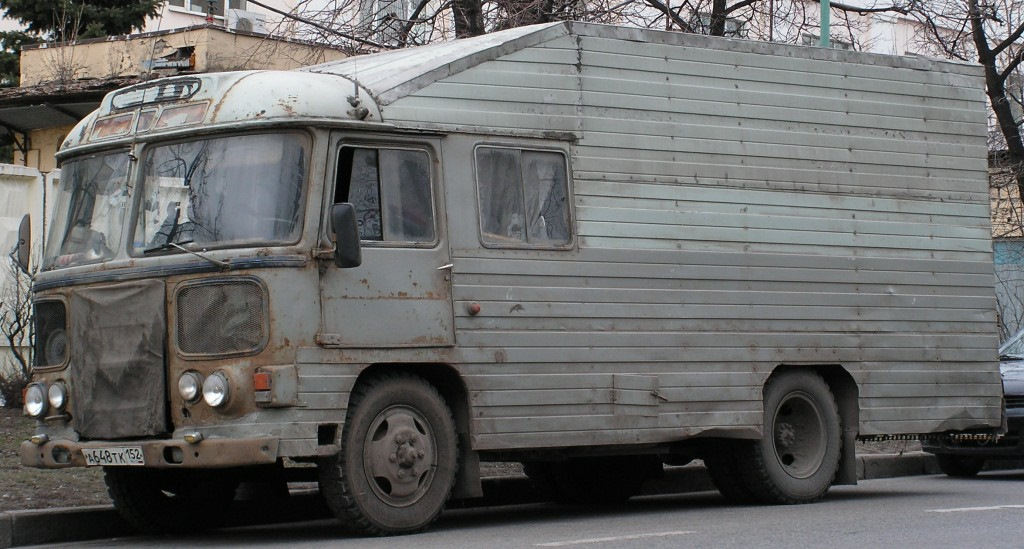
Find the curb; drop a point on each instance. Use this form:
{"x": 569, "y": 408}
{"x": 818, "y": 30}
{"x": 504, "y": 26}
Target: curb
{"x": 62, "y": 525}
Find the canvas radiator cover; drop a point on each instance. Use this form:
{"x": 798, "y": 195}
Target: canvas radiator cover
{"x": 117, "y": 344}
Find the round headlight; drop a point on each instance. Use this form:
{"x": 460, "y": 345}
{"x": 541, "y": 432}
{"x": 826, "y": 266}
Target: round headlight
{"x": 215, "y": 389}
{"x": 190, "y": 386}
{"x": 57, "y": 395}
{"x": 35, "y": 400}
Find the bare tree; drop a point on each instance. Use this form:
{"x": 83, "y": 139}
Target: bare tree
{"x": 989, "y": 33}
{"x": 369, "y": 25}
{"x": 16, "y": 328}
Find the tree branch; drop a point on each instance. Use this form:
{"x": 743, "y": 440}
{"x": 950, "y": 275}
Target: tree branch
{"x": 1009, "y": 40}
{"x": 856, "y": 9}
{"x": 739, "y": 5}
{"x": 319, "y": 26}
{"x": 684, "y": 25}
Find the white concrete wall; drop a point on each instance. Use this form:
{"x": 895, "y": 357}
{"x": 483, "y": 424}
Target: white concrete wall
{"x": 22, "y": 191}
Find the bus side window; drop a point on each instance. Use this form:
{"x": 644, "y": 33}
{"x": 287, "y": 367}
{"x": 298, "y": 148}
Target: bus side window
{"x": 523, "y": 197}
{"x": 390, "y": 191}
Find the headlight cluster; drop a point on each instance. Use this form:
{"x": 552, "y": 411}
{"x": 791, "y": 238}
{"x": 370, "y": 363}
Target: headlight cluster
{"x": 39, "y": 398}
{"x": 214, "y": 390}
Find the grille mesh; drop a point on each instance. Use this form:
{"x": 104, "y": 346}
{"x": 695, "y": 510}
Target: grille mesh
{"x": 51, "y": 345}
{"x": 216, "y": 318}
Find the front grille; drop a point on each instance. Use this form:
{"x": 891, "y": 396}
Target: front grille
{"x": 221, "y": 317}
{"x": 51, "y": 345}
{"x": 1014, "y": 402}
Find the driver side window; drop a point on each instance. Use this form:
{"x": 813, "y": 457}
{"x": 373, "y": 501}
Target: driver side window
{"x": 390, "y": 190}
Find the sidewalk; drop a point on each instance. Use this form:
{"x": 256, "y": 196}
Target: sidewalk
{"x": 19, "y": 528}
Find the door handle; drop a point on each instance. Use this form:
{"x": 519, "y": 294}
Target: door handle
{"x": 446, "y": 267}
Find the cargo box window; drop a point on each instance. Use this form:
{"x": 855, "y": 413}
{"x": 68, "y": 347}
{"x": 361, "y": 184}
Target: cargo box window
{"x": 390, "y": 190}
{"x": 522, "y": 196}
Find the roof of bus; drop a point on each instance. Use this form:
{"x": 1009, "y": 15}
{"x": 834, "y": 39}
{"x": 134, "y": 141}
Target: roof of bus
{"x": 391, "y": 75}
{"x": 358, "y": 88}
{"x": 353, "y": 89}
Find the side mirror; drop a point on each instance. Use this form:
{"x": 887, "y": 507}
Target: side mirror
{"x": 346, "y": 235}
{"x": 22, "y": 250}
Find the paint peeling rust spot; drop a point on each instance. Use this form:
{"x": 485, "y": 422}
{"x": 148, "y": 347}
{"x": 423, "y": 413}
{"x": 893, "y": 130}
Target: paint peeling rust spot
{"x": 287, "y": 107}
{"x": 499, "y": 356}
{"x": 403, "y": 294}
{"x": 517, "y": 308}
{"x": 428, "y": 340}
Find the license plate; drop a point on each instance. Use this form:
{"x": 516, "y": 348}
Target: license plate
{"x": 116, "y": 455}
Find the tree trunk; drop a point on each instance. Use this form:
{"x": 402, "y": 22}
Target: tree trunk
{"x": 469, "y": 18}
{"x": 718, "y": 8}
{"x": 995, "y": 87}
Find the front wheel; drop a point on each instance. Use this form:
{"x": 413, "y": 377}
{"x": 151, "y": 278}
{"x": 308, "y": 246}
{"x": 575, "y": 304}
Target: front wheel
{"x": 398, "y": 458}
{"x": 959, "y": 466}
{"x": 157, "y": 501}
{"x": 797, "y": 457}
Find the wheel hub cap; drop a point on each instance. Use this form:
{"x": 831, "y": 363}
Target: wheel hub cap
{"x": 799, "y": 435}
{"x": 399, "y": 456}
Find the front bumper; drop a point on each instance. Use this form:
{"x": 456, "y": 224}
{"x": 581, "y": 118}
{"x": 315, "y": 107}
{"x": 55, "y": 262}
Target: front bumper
{"x": 161, "y": 454}
{"x": 1009, "y": 446}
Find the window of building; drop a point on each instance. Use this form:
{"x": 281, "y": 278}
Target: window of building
{"x": 814, "y": 40}
{"x": 390, "y": 190}
{"x": 219, "y": 7}
{"x": 523, "y": 196}
{"x": 734, "y": 28}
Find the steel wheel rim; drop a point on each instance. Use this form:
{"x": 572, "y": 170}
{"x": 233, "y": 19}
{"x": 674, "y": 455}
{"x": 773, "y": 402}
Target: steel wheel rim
{"x": 399, "y": 455}
{"x": 799, "y": 437}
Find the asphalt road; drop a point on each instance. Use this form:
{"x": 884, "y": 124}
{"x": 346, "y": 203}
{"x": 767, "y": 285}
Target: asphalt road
{"x": 931, "y": 511}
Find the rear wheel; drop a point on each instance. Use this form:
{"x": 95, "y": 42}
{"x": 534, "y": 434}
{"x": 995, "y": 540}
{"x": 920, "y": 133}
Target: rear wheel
{"x": 797, "y": 457}
{"x": 960, "y": 466}
{"x": 170, "y": 500}
{"x": 398, "y": 458}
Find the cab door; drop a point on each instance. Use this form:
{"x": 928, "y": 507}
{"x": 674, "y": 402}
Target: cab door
{"x": 401, "y": 294}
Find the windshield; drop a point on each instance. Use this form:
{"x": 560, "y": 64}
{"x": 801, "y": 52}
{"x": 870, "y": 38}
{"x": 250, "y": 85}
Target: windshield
{"x": 90, "y": 210}
{"x": 230, "y": 191}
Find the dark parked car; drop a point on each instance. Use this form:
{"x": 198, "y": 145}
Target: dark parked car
{"x": 964, "y": 457}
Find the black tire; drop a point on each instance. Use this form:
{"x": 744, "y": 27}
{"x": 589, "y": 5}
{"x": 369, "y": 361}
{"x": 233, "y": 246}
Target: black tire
{"x": 960, "y": 466}
{"x": 398, "y": 458}
{"x": 162, "y": 501}
{"x": 720, "y": 461}
{"x": 797, "y": 458}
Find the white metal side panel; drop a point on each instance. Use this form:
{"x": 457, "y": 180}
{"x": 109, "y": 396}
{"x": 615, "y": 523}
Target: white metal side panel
{"x": 737, "y": 207}
{"x": 532, "y": 89}
{"x": 786, "y": 160}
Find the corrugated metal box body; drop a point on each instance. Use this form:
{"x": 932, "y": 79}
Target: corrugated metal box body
{"x": 739, "y": 206}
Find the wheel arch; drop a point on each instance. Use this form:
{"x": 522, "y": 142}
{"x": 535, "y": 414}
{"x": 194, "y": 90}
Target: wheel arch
{"x": 450, "y": 384}
{"x": 844, "y": 389}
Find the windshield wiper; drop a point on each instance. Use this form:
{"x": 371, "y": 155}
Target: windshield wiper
{"x": 165, "y": 246}
{"x": 223, "y": 265}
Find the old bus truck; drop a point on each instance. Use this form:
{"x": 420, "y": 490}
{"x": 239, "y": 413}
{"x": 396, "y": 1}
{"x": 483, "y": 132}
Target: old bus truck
{"x": 591, "y": 249}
